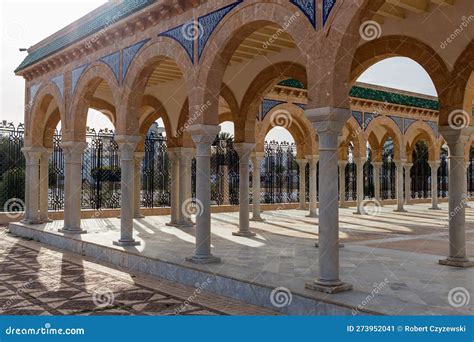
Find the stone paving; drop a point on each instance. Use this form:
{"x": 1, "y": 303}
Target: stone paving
{"x": 35, "y": 280}
{"x": 400, "y": 250}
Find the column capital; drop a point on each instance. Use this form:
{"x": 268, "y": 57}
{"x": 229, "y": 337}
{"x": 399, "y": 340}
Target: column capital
{"x": 377, "y": 163}
{"x": 434, "y": 164}
{"x": 360, "y": 160}
{"x": 302, "y": 162}
{"x": 203, "y": 133}
{"x": 327, "y": 119}
{"x": 32, "y": 152}
{"x": 408, "y": 166}
{"x": 343, "y": 163}
{"x": 73, "y": 150}
{"x": 312, "y": 159}
{"x": 127, "y": 145}
{"x": 139, "y": 155}
{"x": 456, "y": 138}
{"x": 244, "y": 149}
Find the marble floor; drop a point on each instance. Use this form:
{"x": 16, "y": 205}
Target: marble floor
{"x": 390, "y": 258}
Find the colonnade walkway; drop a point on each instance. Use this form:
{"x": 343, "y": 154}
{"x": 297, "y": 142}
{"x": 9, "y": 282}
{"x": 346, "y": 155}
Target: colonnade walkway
{"x": 390, "y": 258}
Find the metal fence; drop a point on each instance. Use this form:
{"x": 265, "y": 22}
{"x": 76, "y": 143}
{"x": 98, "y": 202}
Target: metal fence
{"x": 101, "y": 173}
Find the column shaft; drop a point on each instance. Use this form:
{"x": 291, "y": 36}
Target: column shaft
{"x": 377, "y": 169}
{"x": 434, "y": 165}
{"x": 408, "y": 167}
{"x": 44, "y": 182}
{"x": 399, "y": 185}
{"x": 173, "y": 154}
{"x": 360, "y": 184}
{"x": 302, "y": 176}
{"x": 342, "y": 183}
{"x": 256, "y": 189}
{"x": 313, "y": 179}
{"x": 32, "y": 184}
{"x": 137, "y": 186}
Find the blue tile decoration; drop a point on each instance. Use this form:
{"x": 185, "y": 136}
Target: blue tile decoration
{"x": 182, "y": 36}
{"x": 301, "y": 105}
{"x": 32, "y": 93}
{"x": 328, "y": 5}
{"x": 359, "y": 117}
{"x": 398, "y": 120}
{"x": 268, "y": 105}
{"x": 76, "y": 74}
{"x": 368, "y": 117}
{"x": 207, "y": 23}
{"x": 308, "y": 7}
{"x": 113, "y": 61}
{"x": 407, "y": 124}
{"x": 434, "y": 127}
{"x": 129, "y": 53}
{"x": 59, "y": 82}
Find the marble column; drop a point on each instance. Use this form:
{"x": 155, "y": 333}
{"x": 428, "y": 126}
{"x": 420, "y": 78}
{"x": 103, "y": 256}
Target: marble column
{"x": 360, "y": 183}
{"x": 244, "y": 150}
{"x": 176, "y": 211}
{"x": 44, "y": 184}
{"x": 32, "y": 184}
{"x": 408, "y": 167}
{"x": 328, "y": 123}
{"x": 434, "y": 165}
{"x": 313, "y": 179}
{"x": 127, "y": 145}
{"x": 302, "y": 176}
{"x": 466, "y": 171}
{"x": 377, "y": 172}
{"x": 137, "y": 186}
{"x": 185, "y": 156}
{"x": 342, "y": 183}
{"x": 399, "y": 186}
{"x": 203, "y": 136}
{"x": 456, "y": 140}
{"x": 257, "y": 158}
{"x": 72, "y": 151}
{"x": 224, "y": 184}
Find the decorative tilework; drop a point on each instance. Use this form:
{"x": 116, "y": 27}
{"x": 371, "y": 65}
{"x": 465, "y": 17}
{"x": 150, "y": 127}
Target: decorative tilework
{"x": 268, "y": 105}
{"x": 308, "y": 7}
{"x": 113, "y": 61}
{"x": 368, "y": 117}
{"x": 76, "y": 74}
{"x": 292, "y": 83}
{"x": 180, "y": 34}
{"x": 59, "y": 81}
{"x": 207, "y": 23}
{"x": 327, "y": 8}
{"x": 129, "y": 53}
{"x": 407, "y": 124}
{"x": 32, "y": 93}
{"x": 398, "y": 120}
{"x": 434, "y": 127}
{"x": 359, "y": 117}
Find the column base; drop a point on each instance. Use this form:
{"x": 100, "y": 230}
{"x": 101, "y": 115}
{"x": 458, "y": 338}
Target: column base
{"x": 126, "y": 243}
{"x": 139, "y": 216}
{"x": 27, "y": 221}
{"x": 434, "y": 208}
{"x": 257, "y": 219}
{"x": 244, "y": 233}
{"x": 456, "y": 262}
{"x": 208, "y": 259}
{"x": 185, "y": 225}
{"x": 328, "y": 287}
{"x": 72, "y": 230}
{"x": 312, "y": 215}
{"x": 171, "y": 224}
{"x": 316, "y": 244}
{"x": 343, "y": 206}
{"x": 357, "y": 213}
{"x": 400, "y": 211}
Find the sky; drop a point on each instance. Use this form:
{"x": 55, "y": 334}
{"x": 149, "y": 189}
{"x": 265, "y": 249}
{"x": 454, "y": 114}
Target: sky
{"x": 23, "y": 23}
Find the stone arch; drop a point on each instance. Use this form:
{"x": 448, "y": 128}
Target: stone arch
{"x": 297, "y": 124}
{"x": 227, "y": 37}
{"x": 261, "y": 85}
{"x": 141, "y": 68}
{"x": 38, "y": 123}
{"x": 352, "y": 132}
{"x": 386, "y": 126}
{"x": 87, "y": 85}
{"x": 420, "y": 130}
{"x": 229, "y": 97}
{"x": 147, "y": 119}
